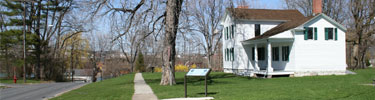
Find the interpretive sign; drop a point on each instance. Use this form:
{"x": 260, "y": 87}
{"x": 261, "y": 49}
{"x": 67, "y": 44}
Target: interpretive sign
{"x": 197, "y": 72}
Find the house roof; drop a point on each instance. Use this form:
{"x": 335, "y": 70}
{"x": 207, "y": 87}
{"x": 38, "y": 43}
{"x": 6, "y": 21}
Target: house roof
{"x": 283, "y": 27}
{"x": 293, "y": 23}
{"x": 264, "y": 14}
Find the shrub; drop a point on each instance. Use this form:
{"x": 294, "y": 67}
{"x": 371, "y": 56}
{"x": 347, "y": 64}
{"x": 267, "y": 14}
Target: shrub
{"x": 178, "y": 68}
{"x": 193, "y": 66}
{"x": 158, "y": 69}
{"x": 181, "y": 68}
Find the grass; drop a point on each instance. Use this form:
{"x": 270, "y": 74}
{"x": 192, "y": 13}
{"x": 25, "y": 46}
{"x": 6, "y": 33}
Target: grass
{"x": 121, "y": 88}
{"x": 229, "y": 87}
{"x": 19, "y": 81}
{"x": 2, "y": 87}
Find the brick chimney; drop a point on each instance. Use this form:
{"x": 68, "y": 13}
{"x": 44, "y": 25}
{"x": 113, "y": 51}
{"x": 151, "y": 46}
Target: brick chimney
{"x": 317, "y": 7}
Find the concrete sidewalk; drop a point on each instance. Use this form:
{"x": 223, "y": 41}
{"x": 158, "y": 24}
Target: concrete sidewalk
{"x": 142, "y": 90}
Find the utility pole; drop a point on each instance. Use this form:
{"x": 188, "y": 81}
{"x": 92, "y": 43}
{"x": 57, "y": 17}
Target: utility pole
{"x": 24, "y": 42}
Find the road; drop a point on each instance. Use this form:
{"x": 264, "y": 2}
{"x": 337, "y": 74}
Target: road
{"x": 36, "y": 91}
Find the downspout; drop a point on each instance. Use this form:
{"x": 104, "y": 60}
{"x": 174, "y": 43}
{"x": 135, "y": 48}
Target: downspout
{"x": 267, "y": 62}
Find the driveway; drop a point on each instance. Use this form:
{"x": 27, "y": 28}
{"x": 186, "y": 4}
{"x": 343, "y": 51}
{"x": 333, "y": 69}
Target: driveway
{"x": 36, "y": 91}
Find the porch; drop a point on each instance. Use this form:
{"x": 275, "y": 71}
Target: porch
{"x": 269, "y": 57}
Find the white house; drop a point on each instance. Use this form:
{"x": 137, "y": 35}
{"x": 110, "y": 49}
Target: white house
{"x": 282, "y": 42}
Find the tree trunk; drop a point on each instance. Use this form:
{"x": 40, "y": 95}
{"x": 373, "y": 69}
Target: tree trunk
{"x": 209, "y": 61}
{"x": 171, "y": 20}
{"x": 355, "y": 56}
{"x": 7, "y": 62}
{"x": 71, "y": 62}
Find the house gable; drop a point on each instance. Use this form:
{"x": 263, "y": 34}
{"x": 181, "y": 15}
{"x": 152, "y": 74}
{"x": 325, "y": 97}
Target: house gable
{"x": 333, "y": 22}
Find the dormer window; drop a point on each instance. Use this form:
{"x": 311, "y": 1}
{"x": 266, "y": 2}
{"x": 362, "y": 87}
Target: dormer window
{"x": 257, "y": 29}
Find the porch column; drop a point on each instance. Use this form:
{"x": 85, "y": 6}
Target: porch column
{"x": 256, "y": 57}
{"x": 269, "y": 57}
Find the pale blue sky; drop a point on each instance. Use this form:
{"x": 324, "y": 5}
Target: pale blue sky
{"x": 103, "y": 24}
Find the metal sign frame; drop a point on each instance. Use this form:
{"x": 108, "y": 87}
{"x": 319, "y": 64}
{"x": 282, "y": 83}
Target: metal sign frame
{"x": 205, "y": 80}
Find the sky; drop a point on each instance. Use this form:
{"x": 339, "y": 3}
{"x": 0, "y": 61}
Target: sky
{"x": 103, "y": 26}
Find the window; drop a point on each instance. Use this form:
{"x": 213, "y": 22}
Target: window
{"x": 311, "y": 33}
{"x": 232, "y": 32}
{"x": 253, "y": 54}
{"x": 232, "y": 54}
{"x": 261, "y": 53}
{"x": 257, "y": 29}
{"x": 225, "y": 54}
{"x": 275, "y": 53}
{"x": 330, "y": 34}
{"x": 285, "y": 53}
{"x": 226, "y": 31}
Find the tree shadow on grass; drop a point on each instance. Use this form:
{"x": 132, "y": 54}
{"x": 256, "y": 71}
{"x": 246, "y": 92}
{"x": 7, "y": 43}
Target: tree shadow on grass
{"x": 214, "y": 78}
{"x": 208, "y": 93}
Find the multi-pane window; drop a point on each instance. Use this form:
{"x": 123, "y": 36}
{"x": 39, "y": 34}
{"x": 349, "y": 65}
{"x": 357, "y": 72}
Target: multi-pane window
{"x": 253, "y": 54}
{"x": 275, "y": 53}
{"x": 232, "y": 54}
{"x": 232, "y": 31}
{"x": 229, "y": 54}
{"x": 257, "y": 29}
{"x": 226, "y": 33}
{"x": 330, "y": 33}
{"x": 229, "y": 32}
{"x": 311, "y": 33}
{"x": 225, "y": 54}
{"x": 285, "y": 53}
{"x": 261, "y": 53}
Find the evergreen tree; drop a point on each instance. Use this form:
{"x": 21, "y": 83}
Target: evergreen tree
{"x": 139, "y": 63}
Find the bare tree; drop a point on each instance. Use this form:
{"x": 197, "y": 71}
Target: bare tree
{"x": 206, "y": 17}
{"x": 333, "y": 8}
{"x": 304, "y": 6}
{"x": 173, "y": 10}
{"x": 99, "y": 44}
{"x": 363, "y": 15}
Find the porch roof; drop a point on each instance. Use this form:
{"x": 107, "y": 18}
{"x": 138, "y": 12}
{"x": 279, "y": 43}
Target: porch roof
{"x": 282, "y": 27}
{"x": 266, "y": 40}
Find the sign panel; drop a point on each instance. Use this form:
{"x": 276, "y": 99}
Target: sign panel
{"x": 198, "y": 72}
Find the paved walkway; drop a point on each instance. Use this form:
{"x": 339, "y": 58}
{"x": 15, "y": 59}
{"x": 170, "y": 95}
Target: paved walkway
{"x": 36, "y": 91}
{"x": 142, "y": 90}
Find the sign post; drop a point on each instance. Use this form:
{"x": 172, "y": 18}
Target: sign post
{"x": 197, "y": 73}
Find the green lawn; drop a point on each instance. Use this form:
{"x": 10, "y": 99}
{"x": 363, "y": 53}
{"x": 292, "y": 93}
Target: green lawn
{"x": 121, "y": 88}
{"x": 2, "y": 87}
{"x": 19, "y": 81}
{"x": 230, "y": 87}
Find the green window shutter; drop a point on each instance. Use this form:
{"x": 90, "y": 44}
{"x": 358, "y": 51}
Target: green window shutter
{"x": 326, "y": 33}
{"x": 335, "y": 33}
{"x": 315, "y": 33}
{"x": 306, "y": 30}
{"x": 232, "y": 54}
